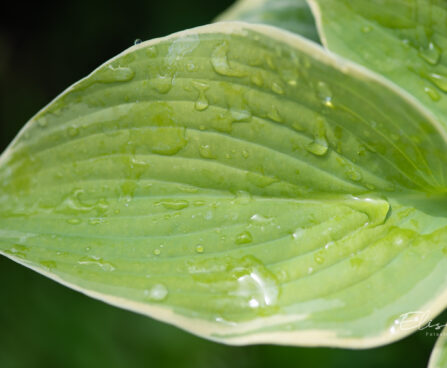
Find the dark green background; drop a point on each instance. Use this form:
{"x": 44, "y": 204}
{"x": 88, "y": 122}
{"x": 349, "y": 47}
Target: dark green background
{"x": 44, "y": 48}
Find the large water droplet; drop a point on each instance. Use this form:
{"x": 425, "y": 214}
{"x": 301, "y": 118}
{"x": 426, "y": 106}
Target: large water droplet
{"x": 221, "y": 65}
{"x": 112, "y": 74}
{"x": 163, "y": 83}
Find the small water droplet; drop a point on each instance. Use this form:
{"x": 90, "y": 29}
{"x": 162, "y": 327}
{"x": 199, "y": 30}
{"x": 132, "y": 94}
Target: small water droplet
{"x": 206, "y": 151}
{"x": 137, "y": 41}
{"x": 433, "y": 94}
{"x": 274, "y": 114}
{"x": 201, "y": 102}
{"x": 257, "y": 80}
{"x": 72, "y": 131}
{"x": 324, "y": 93}
{"x": 439, "y": 80}
{"x": 366, "y": 29}
{"x": 318, "y": 257}
{"x": 157, "y": 293}
{"x": 200, "y": 248}
{"x": 354, "y": 174}
{"x": 157, "y": 252}
{"x": 244, "y": 238}
{"x": 97, "y": 261}
{"x": 173, "y": 204}
{"x": 431, "y": 54}
{"x": 74, "y": 221}
{"x": 277, "y": 88}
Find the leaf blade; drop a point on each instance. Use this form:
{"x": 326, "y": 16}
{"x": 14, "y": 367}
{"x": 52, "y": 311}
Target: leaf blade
{"x": 218, "y": 215}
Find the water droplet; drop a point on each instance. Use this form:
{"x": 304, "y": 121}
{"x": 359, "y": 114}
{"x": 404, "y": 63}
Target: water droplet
{"x": 354, "y": 174}
{"x": 201, "y": 102}
{"x": 200, "y": 248}
{"x": 245, "y": 154}
{"x": 151, "y": 52}
{"x": 163, "y": 83}
{"x": 356, "y": 262}
{"x": 157, "y": 252}
{"x": 72, "y": 131}
{"x": 318, "y": 147}
{"x": 324, "y": 93}
{"x": 49, "y": 265}
{"x": 318, "y": 257}
{"x": 431, "y": 54}
{"x": 274, "y": 114}
{"x": 137, "y": 41}
{"x": 244, "y": 238}
{"x": 257, "y": 218}
{"x": 433, "y": 94}
{"x": 220, "y": 63}
{"x": 166, "y": 141}
{"x": 97, "y": 261}
{"x": 157, "y": 293}
{"x": 206, "y": 151}
{"x": 42, "y": 122}
{"x": 257, "y": 80}
{"x": 366, "y": 29}
{"x": 111, "y": 74}
{"x": 245, "y": 282}
{"x": 173, "y": 204}
{"x": 240, "y": 115}
{"x": 74, "y": 221}
{"x": 277, "y": 88}
{"x": 439, "y": 80}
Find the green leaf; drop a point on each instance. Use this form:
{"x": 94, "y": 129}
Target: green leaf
{"x": 239, "y": 182}
{"x": 291, "y": 15}
{"x": 438, "y": 358}
{"x": 404, "y": 40}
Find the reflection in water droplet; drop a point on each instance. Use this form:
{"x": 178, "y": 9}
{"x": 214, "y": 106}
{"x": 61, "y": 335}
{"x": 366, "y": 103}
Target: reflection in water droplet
{"x": 157, "y": 293}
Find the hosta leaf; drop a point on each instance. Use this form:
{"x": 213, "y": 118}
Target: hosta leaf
{"x": 239, "y": 182}
{"x": 403, "y": 40}
{"x": 438, "y": 358}
{"x": 292, "y": 15}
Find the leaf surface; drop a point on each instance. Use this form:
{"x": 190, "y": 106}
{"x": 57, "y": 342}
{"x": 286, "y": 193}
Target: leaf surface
{"x": 292, "y": 15}
{"x": 405, "y": 41}
{"x": 239, "y": 182}
{"x": 438, "y": 358}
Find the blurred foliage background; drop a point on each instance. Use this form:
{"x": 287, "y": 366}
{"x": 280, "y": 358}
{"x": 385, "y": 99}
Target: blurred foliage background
{"x": 44, "y": 48}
